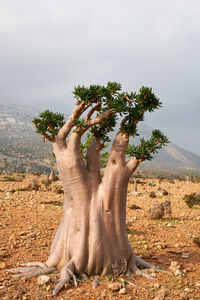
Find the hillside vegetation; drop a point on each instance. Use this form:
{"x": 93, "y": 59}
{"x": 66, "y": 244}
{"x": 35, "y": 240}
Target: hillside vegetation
{"x": 23, "y": 150}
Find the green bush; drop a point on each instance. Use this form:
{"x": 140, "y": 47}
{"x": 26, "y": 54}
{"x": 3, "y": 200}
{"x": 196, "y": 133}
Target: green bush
{"x": 196, "y": 240}
{"x": 192, "y": 199}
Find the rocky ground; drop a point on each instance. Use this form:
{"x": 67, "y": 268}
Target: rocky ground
{"x": 29, "y": 219}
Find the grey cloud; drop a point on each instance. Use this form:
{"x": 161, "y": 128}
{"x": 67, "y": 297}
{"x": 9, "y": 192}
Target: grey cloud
{"x": 48, "y": 47}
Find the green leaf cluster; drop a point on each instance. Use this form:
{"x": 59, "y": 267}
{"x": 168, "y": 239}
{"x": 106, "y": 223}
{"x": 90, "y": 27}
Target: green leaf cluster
{"x": 146, "y": 148}
{"x": 129, "y": 106}
{"x": 146, "y": 100}
{"x": 80, "y": 124}
{"x": 110, "y": 96}
{"x": 96, "y": 93}
{"x": 49, "y": 123}
{"x": 102, "y": 130}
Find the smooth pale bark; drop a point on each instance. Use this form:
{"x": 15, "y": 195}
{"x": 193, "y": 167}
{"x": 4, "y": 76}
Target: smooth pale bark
{"x": 51, "y": 175}
{"x": 92, "y": 237}
{"x": 92, "y": 233}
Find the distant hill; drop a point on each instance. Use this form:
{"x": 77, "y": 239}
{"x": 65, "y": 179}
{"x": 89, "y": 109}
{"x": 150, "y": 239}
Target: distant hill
{"x": 20, "y": 146}
{"x": 23, "y": 150}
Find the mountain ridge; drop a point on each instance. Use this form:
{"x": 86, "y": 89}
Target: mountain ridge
{"x": 21, "y": 146}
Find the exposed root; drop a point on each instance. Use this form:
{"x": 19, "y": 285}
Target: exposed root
{"x": 96, "y": 282}
{"x": 59, "y": 286}
{"x": 35, "y": 272}
{"x": 140, "y": 273}
{"x": 83, "y": 277}
{"x": 21, "y": 269}
{"x": 36, "y": 264}
{"x": 74, "y": 279}
{"x": 32, "y": 269}
{"x": 141, "y": 263}
{"x": 133, "y": 267}
{"x": 67, "y": 273}
{"x": 123, "y": 281}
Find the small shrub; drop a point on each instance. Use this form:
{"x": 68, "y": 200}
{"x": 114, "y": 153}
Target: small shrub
{"x": 151, "y": 184}
{"x": 8, "y": 178}
{"x": 56, "y": 178}
{"x": 33, "y": 186}
{"x": 11, "y": 178}
{"x": 57, "y": 190}
{"x": 12, "y": 191}
{"x": 157, "y": 211}
{"x": 167, "y": 207}
{"x": 135, "y": 207}
{"x": 48, "y": 184}
{"x": 196, "y": 240}
{"x": 165, "y": 193}
{"x": 152, "y": 195}
{"x": 171, "y": 180}
{"x": 197, "y": 179}
{"x": 45, "y": 182}
{"x": 37, "y": 173}
{"x": 192, "y": 199}
{"x": 21, "y": 189}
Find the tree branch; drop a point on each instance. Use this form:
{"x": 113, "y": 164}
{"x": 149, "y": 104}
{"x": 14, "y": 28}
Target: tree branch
{"x": 119, "y": 146}
{"x": 81, "y": 106}
{"x": 104, "y": 115}
{"x": 127, "y": 99}
{"x": 126, "y": 119}
{"x": 133, "y": 163}
{"x": 123, "y": 121}
{"x": 45, "y": 136}
{"x": 48, "y": 137}
{"x": 87, "y": 118}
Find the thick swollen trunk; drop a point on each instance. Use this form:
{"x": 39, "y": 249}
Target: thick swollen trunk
{"x": 92, "y": 234}
{"x": 92, "y": 238}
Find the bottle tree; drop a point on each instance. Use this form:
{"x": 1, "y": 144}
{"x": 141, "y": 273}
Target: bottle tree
{"x": 92, "y": 237}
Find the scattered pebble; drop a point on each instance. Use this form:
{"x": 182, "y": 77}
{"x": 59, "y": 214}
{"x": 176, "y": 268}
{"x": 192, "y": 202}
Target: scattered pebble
{"x": 95, "y": 283}
{"x": 156, "y": 285}
{"x": 185, "y": 255}
{"x": 43, "y": 279}
{"x": 175, "y": 268}
{"x": 122, "y": 291}
{"x": 115, "y": 287}
{"x": 197, "y": 284}
{"x": 2, "y": 265}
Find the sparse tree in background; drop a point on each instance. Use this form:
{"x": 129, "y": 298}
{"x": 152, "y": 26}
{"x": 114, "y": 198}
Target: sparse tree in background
{"x": 92, "y": 237}
{"x": 6, "y": 166}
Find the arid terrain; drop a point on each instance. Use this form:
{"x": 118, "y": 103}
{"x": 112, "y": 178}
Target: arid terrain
{"x": 30, "y": 215}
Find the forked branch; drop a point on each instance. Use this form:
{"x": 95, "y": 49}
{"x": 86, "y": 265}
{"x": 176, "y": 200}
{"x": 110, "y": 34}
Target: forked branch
{"x": 132, "y": 164}
{"x": 118, "y": 150}
{"x": 97, "y": 120}
{"x": 81, "y": 106}
{"x": 89, "y": 115}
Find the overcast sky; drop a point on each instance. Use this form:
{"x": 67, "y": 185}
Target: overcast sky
{"x": 47, "y": 47}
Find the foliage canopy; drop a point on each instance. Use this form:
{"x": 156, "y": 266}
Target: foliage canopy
{"x": 110, "y": 99}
